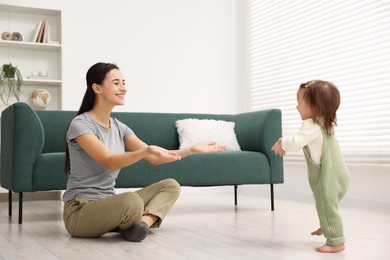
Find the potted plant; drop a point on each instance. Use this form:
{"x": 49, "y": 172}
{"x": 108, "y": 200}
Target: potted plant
{"x": 10, "y": 79}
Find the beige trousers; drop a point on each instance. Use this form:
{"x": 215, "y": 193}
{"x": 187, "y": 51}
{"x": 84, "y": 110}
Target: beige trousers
{"x": 84, "y": 218}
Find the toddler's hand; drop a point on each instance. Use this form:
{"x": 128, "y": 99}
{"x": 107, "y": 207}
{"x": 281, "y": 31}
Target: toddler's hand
{"x": 277, "y": 148}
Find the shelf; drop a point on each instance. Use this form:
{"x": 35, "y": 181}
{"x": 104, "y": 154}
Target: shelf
{"x": 30, "y": 45}
{"x": 43, "y": 82}
{"x": 34, "y": 58}
{"x": 29, "y": 10}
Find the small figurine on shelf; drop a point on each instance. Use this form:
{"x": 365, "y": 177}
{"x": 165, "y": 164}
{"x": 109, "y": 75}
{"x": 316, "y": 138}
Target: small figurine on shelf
{"x": 40, "y": 98}
{"x": 11, "y": 81}
{"x": 17, "y": 36}
{"x": 41, "y": 74}
{"x": 6, "y": 36}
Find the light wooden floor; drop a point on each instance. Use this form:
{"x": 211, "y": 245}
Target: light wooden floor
{"x": 201, "y": 226}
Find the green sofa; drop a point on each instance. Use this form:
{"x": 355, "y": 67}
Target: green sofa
{"x": 33, "y": 150}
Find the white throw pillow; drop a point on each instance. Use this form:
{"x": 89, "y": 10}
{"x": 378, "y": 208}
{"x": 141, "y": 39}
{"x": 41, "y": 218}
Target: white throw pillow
{"x": 192, "y": 131}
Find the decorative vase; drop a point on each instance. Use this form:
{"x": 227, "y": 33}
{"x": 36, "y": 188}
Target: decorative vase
{"x": 40, "y": 98}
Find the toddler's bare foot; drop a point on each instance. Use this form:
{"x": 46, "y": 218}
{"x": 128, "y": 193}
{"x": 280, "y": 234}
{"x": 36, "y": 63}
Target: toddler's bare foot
{"x": 330, "y": 249}
{"x": 318, "y": 232}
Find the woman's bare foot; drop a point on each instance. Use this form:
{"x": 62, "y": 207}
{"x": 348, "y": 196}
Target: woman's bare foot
{"x": 318, "y": 232}
{"x": 149, "y": 219}
{"x": 330, "y": 249}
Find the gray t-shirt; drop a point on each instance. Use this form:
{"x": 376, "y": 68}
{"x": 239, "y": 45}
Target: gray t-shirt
{"x": 88, "y": 179}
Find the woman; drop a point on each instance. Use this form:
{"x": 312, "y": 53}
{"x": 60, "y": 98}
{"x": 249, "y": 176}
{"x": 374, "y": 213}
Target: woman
{"x": 96, "y": 153}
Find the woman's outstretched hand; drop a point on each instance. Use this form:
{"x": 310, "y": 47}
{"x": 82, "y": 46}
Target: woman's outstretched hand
{"x": 163, "y": 153}
{"x": 157, "y": 155}
{"x": 207, "y": 147}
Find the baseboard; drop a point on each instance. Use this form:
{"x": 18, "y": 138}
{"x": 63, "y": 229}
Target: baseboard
{"x": 31, "y": 196}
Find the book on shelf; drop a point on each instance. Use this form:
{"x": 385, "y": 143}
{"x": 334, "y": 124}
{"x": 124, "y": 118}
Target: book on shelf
{"x": 40, "y": 34}
{"x": 45, "y": 33}
{"x": 36, "y": 32}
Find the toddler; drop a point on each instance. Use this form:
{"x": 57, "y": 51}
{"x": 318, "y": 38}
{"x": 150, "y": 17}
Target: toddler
{"x": 318, "y": 102}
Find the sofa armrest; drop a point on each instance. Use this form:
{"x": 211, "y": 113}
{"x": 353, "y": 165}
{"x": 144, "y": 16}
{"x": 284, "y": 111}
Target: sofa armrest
{"x": 22, "y": 140}
{"x": 258, "y": 131}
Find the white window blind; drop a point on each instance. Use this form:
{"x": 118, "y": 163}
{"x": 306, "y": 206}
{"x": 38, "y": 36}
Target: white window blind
{"x": 345, "y": 42}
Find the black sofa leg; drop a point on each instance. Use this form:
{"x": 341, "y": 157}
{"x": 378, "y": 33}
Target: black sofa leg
{"x": 235, "y": 195}
{"x": 272, "y": 198}
{"x": 9, "y": 203}
{"x": 20, "y": 207}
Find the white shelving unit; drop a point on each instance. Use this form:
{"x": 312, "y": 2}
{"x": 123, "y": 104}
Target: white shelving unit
{"x": 31, "y": 57}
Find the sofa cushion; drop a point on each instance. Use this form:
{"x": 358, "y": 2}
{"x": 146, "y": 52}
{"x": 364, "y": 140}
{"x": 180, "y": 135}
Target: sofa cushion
{"x": 193, "y": 130}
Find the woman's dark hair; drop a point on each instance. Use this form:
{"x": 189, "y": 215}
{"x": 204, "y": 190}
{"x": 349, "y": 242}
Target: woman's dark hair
{"x": 96, "y": 74}
{"x": 323, "y": 98}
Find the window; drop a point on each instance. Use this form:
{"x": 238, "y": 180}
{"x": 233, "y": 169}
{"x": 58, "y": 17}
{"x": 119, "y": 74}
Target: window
{"x": 345, "y": 42}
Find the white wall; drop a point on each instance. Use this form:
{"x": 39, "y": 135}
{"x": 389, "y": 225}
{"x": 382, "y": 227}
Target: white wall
{"x": 176, "y": 55}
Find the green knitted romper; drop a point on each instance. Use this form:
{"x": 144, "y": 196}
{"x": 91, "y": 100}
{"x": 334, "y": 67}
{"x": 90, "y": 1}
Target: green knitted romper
{"x": 329, "y": 182}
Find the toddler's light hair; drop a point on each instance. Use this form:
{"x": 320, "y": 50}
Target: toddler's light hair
{"x": 323, "y": 98}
